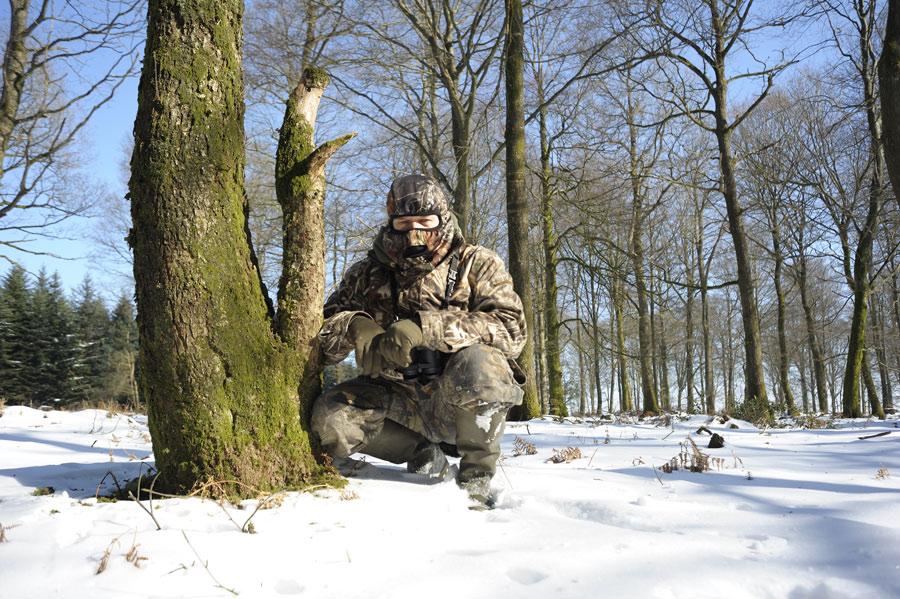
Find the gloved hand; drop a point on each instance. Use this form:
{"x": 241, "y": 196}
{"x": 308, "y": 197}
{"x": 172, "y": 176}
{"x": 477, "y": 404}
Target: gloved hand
{"x": 398, "y": 341}
{"x": 364, "y": 331}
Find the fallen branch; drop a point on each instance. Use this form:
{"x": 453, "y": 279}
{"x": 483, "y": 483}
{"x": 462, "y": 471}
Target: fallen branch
{"x": 881, "y": 434}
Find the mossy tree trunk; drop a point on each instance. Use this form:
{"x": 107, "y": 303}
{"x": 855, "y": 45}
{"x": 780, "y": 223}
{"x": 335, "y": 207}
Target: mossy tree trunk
{"x": 300, "y": 189}
{"x": 221, "y": 385}
{"x": 860, "y": 282}
{"x": 889, "y": 84}
{"x": 516, "y": 193}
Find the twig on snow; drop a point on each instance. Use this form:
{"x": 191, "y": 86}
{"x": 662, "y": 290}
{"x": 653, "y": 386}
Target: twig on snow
{"x": 657, "y": 476}
{"x": 206, "y": 567}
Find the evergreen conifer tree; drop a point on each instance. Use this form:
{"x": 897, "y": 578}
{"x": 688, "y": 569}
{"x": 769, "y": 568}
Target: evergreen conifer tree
{"x": 91, "y": 325}
{"x": 53, "y": 340}
{"x": 15, "y": 337}
{"x": 122, "y": 347}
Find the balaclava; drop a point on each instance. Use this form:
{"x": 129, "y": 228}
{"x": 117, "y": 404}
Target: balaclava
{"x": 418, "y": 250}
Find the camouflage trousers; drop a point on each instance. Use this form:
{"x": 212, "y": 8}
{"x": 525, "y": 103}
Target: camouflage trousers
{"x": 476, "y": 380}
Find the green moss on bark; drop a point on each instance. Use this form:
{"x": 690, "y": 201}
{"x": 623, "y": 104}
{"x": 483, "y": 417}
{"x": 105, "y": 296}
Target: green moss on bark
{"x": 222, "y": 389}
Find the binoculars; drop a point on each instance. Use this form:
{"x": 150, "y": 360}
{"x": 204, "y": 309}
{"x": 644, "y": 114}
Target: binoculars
{"x": 427, "y": 364}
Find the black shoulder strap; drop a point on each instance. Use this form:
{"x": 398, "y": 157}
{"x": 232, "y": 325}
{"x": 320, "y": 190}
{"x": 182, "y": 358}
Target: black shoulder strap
{"x": 452, "y": 275}
{"x": 394, "y": 300}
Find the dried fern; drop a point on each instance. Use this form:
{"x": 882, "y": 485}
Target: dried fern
{"x": 691, "y": 458}
{"x": 565, "y": 455}
{"x": 133, "y": 557}
{"x": 523, "y": 447}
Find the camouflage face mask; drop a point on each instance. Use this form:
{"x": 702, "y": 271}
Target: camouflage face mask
{"x": 416, "y": 249}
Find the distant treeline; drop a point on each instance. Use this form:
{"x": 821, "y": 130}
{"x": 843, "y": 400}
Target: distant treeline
{"x": 64, "y": 350}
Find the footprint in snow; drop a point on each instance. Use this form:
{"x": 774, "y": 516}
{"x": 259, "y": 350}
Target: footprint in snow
{"x": 766, "y": 546}
{"x": 524, "y": 576}
{"x": 289, "y": 587}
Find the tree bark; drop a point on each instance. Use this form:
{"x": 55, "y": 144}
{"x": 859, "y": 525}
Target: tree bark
{"x": 871, "y": 391}
{"x": 754, "y": 384}
{"x": 709, "y": 388}
{"x": 889, "y": 82}
{"x": 645, "y": 342}
{"x": 861, "y": 285}
{"x": 516, "y": 194}
{"x": 548, "y": 241}
{"x": 783, "y": 365}
{"x": 811, "y": 338}
{"x": 221, "y": 387}
{"x": 689, "y": 335}
{"x": 879, "y": 339}
{"x": 300, "y": 189}
{"x": 618, "y": 299}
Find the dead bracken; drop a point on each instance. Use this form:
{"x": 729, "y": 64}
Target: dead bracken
{"x": 566, "y": 455}
{"x": 691, "y": 458}
{"x": 523, "y": 447}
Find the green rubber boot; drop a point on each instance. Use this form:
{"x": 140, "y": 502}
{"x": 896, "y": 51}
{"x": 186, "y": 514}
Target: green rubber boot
{"x": 478, "y": 440}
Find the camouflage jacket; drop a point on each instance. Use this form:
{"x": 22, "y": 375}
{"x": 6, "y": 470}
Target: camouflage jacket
{"x": 483, "y": 308}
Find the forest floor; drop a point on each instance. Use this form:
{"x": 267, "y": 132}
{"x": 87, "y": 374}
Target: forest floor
{"x": 782, "y": 512}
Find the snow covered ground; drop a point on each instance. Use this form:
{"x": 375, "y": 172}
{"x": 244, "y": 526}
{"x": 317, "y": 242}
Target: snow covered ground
{"x": 782, "y": 513}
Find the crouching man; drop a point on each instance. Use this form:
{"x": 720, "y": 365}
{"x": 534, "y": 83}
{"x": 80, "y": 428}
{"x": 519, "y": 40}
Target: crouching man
{"x": 435, "y": 324}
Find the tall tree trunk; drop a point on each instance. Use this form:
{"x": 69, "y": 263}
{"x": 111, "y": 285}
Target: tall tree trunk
{"x": 804, "y": 387}
{"x": 811, "y": 338}
{"x": 872, "y": 392}
{"x": 880, "y": 336}
{"x": 783, "y": 367}
{"x": 15, "y": 65}
{"x": 516, "y": 193}
{"x": 861, "y": 290}
{"x": 618, "y": 300}
{"x": 300, "y": 189}
{"x": 755, "y": 386}
{"x": 548, "y": 241}
{"x": 889, "y": 83}
{"x": 613, "y": 361}
{"x": 460, "y": 136}
{"x": 595, "y": 358}
{"x": 221, "y": 387}
{"x": 861, "y": 284}
{"x": 709, "y": 387}
{"x": 895, "y": 311}
{"x": 754, "y": 383}
{"x": 689, "y": 337}
{"x": 583, "y": 379}
{"x": 664, "y": 393}
{"x": 645, "y": 342}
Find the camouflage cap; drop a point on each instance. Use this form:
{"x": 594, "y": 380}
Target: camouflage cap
{"x": 417, "y": 194}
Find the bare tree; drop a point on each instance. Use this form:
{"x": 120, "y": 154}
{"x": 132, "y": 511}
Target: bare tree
{"x": 63, "y": 60}
{"x": 700, "y": 42}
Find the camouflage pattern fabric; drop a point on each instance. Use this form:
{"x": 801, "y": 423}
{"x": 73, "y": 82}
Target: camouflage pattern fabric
{"x": 477, "y": 380}
{"x": 482, "y": 324}
{"x": 415, "y": 195}
{"x": 484, "y": 308}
